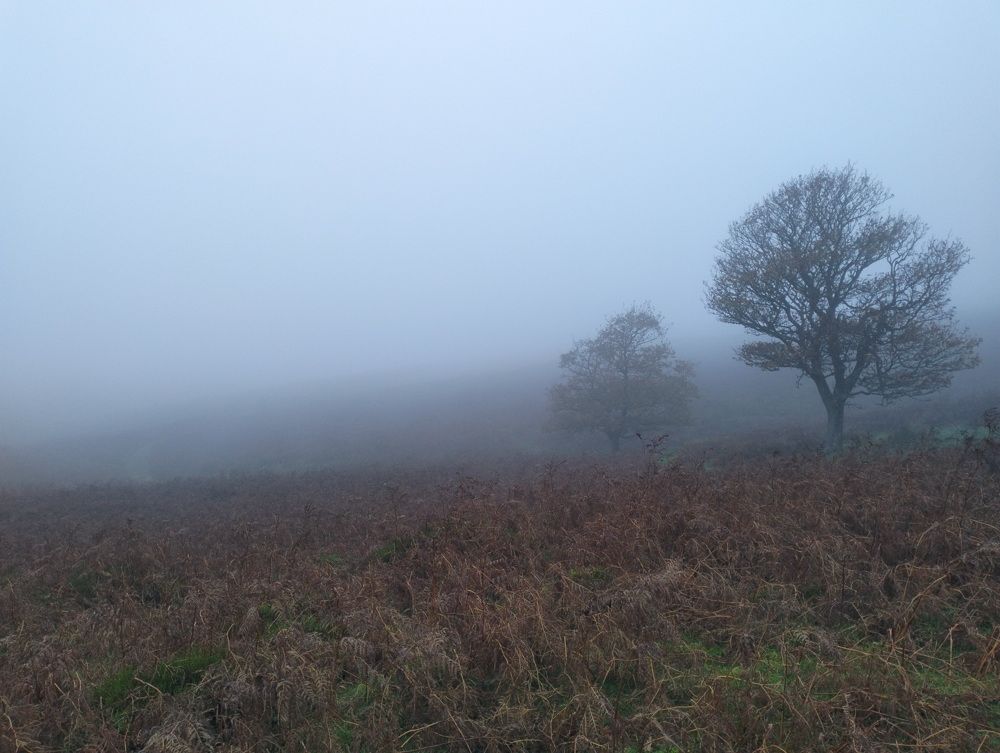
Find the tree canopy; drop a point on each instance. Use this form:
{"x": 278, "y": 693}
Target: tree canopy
{"x": 623, "y": 381}
{"x": 851, "y": 295}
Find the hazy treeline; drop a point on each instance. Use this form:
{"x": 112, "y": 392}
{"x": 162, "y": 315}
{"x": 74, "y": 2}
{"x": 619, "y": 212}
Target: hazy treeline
{"x": 396, "y": 422}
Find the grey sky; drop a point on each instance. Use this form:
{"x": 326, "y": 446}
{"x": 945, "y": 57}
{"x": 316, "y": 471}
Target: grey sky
{"x": 205, "y": 198}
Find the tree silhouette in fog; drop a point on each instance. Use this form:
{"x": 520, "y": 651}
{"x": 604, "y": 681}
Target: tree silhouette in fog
{"x": 848, "y": 293}
{"x": 622, "y": 381}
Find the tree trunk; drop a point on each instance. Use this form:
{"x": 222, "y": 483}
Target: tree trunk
{"x": 835, "y": 426}
{"x": 616, "y": 440}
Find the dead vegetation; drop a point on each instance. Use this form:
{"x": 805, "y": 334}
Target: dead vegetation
{"x": 787, "y": 605}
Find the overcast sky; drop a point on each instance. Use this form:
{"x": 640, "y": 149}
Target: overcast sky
{"x": 201, "y": 199}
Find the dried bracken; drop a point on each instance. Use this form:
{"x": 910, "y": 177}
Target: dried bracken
{"x": 792, "y": 604}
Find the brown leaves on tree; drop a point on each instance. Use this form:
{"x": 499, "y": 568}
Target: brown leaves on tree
{"x": 623, "y": 381}
{"x": 851, "y": 295}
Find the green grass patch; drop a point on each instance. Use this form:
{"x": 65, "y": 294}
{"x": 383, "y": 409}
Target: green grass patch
{"x": 309, "y": 623}
{"x": 344, "y": 733}
{"x": 591, "y": 576}
{"x": 332, "y": 560}
{"x": 84, "y": 584}
{"x": 394, "y": 548}
{"x": 269, "y": 614}
{"x": 123, "y": 692}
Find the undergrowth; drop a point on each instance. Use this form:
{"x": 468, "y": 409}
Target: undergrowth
{"x": 799, "y": 603}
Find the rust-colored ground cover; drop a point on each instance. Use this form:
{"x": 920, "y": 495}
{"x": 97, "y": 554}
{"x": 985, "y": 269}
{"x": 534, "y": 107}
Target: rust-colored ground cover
{"x": 791, "y": 604}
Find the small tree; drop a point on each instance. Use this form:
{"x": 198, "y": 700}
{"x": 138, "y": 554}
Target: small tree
{"x": 850, "y": 295}
{"x": 623, "y": 381}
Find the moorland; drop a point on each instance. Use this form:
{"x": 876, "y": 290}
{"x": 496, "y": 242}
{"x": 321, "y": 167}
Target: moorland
{"x": 635, "y": 602}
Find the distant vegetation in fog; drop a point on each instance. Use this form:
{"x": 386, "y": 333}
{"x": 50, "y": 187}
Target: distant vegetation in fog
{"x": 623, "y": 381}
{"x": 852, "y": 297}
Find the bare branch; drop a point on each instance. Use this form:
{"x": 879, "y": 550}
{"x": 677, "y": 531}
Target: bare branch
{"x": 850, "y": 295}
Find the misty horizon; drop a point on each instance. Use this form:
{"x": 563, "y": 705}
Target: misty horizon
{"x": 202, "y": 207}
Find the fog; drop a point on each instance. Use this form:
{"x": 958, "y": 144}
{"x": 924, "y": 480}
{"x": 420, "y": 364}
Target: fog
{"x": 208, "y": 209}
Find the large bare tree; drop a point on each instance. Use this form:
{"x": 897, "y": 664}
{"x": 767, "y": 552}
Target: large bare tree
{"x": 623, "y": 381}
{"x": 851, "y": 295}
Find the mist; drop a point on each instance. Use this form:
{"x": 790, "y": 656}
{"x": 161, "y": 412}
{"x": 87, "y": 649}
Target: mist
{"x": 376, "y": 221}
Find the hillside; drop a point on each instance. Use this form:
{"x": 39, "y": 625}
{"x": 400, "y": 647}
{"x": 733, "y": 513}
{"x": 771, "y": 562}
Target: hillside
{"x": 392, "y": 421}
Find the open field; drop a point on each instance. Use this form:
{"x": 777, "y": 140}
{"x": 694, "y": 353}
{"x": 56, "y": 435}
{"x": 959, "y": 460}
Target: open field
{"x": 790, "y": 604}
